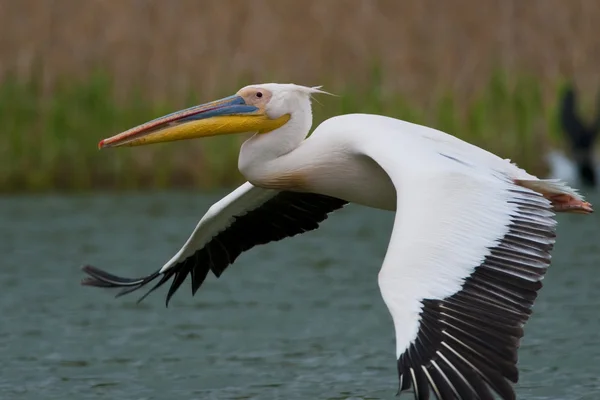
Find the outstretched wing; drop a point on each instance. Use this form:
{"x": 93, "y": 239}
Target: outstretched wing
{"x": 247, "y": 217}
{"x": 468, "y": 251}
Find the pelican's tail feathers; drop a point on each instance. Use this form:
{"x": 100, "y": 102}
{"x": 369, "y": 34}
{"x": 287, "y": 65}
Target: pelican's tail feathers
{"x": 563, "y": 197}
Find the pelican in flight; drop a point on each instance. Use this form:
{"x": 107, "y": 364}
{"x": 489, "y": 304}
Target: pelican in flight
{"x": 470, "y": 245}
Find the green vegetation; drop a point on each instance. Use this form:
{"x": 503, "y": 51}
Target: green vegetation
{"x": 49, "y": 142}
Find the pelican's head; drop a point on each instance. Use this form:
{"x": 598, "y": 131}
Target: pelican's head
{"x": 253, "y": 109}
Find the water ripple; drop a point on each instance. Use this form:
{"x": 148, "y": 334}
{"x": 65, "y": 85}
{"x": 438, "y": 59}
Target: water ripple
{"x": 299, "y": 319}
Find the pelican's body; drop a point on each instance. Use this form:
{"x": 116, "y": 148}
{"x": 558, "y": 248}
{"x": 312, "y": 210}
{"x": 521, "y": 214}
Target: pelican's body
{"x": 335, "y": 160}
{"x": 469, "y": 248}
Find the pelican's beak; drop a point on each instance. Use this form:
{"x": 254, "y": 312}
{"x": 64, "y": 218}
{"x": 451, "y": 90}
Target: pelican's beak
{"x": 220, "y": 117}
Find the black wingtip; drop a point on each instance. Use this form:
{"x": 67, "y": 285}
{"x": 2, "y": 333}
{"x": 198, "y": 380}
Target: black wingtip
{"x": 100, "y": 278}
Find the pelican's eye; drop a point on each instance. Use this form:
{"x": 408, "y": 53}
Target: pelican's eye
{"x": 259, "y": 94}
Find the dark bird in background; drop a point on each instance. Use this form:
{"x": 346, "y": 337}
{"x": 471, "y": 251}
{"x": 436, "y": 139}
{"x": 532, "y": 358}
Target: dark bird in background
{"x": 581, "y": 137}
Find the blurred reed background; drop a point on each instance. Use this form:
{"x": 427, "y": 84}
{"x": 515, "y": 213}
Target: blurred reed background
{"x": 73, "y": 72}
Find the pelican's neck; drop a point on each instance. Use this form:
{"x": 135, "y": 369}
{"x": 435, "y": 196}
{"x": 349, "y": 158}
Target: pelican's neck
{"x": 260, "y": 154}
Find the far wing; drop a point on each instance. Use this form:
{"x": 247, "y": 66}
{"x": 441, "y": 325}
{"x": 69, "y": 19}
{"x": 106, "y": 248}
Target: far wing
{"x": 466, "y": 258}
{"x": 247, "y": 217}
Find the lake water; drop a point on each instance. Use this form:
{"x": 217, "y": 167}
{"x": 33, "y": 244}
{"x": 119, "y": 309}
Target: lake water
{"x": 299, "y": 319}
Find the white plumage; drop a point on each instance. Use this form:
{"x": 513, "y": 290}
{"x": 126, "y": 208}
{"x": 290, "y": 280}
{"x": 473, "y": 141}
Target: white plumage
{"x": 219, "y": 217}
{"x": 471, "y": 240}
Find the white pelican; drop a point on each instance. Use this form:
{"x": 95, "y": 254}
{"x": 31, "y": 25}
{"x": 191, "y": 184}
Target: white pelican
{"x": 470, "y": 245}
